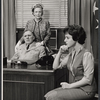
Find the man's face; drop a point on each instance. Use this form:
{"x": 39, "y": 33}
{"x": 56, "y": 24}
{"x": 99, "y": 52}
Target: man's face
{"x": 28, "y": 37}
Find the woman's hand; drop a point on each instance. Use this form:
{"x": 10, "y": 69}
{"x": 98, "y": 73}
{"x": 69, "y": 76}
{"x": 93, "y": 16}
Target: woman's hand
{"x": 65, "y": 85}
{"x": 39, "y": 44}
{"x": 63, "y": 48}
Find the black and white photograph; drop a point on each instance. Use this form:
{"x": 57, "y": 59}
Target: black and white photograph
{"x": 50, "y": 49}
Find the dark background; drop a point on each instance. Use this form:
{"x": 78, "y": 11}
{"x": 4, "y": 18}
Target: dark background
{"x": 99, "y": 49}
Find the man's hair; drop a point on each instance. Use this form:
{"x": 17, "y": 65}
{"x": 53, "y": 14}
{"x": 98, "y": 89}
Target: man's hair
{"x": 77, "y": 32}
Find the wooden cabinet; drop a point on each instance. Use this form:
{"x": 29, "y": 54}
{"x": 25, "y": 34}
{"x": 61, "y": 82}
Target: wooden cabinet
{"x": 27, "y": 84}
{"x": 53, "y": 39}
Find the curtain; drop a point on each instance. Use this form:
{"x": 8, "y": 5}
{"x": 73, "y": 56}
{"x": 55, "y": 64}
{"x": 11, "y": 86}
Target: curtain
{"x": 81, "y": 12}
{"x": 9, "y": 28}
{"x": 94, "y": 28}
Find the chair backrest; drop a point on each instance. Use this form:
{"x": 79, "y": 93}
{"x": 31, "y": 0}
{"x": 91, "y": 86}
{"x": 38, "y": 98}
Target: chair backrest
{"x": 46, "y": 60}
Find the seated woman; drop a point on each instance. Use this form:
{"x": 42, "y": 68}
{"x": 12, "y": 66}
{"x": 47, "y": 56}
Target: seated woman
{"x": 80, "y": 63}
{"x": 28, "y": 51}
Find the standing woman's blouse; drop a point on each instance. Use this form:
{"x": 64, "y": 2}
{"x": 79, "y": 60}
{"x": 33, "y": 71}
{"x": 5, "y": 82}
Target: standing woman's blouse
{"x": 41, "y": 30}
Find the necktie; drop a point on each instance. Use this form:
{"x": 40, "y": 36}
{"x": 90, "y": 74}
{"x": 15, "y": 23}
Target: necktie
{"x": 71, "y": 64}
{"x": 73, "y": 57}
{"x": 27, "y": 47}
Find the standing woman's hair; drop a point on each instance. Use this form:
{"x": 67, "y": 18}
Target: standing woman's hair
{"x": 38, "y": 6}
{"x": 77, "y": 32}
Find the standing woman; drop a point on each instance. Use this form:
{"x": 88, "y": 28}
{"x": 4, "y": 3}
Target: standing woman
{"x": 39, "y": 27}
{"x": 80, "y": 63}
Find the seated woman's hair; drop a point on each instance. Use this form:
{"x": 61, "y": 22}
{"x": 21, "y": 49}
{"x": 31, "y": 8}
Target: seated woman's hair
{"x": 77, "y": 32}
{"x": 37, "y": 6}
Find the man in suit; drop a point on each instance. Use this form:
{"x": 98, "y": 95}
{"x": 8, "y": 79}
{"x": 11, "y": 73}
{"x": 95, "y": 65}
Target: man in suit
{"x": 29, "y": 51}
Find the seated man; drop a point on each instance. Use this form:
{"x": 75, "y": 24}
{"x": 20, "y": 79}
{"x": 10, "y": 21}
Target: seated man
{"x": 28, "y": 52}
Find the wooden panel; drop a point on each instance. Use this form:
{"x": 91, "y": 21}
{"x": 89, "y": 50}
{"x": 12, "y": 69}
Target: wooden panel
{"x": 24, "y": 84}
{"x": 19, "y": 86}
{"x": 23, "y": 91}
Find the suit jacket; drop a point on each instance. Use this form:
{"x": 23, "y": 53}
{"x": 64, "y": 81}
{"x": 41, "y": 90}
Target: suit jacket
{"x": 32, "y": 54}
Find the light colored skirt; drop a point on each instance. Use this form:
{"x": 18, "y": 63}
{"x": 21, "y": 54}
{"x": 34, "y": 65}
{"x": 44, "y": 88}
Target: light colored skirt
{"x": 68, "y": 94}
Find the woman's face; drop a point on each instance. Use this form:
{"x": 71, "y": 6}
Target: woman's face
{"x": 69, "y": 40}
{"x": 37, "y": 13}
{"x": 28, "y": 37}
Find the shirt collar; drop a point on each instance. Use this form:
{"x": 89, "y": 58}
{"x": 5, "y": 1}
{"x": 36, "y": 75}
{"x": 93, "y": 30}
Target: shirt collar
{"x": 31, "y": 45}
{"x": 77, "y": 48}
{"x": 38, "y": 21}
